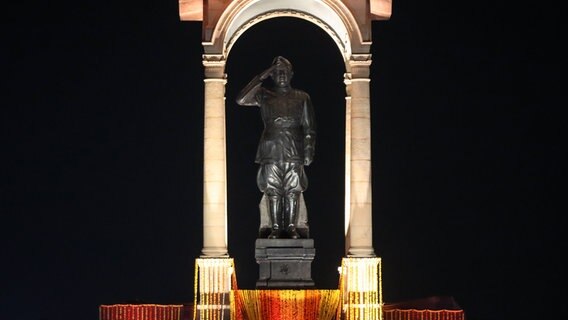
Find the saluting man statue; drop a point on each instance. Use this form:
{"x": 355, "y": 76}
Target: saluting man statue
{"x": 286, "y": 145}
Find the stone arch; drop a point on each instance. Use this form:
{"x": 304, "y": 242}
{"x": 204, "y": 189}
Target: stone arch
{"x": 348, "y": 24}
{"x": 333, "y": 16}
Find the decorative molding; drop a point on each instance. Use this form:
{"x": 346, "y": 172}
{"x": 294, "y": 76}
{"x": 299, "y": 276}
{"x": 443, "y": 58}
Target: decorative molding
{"x": 343, "y": 45}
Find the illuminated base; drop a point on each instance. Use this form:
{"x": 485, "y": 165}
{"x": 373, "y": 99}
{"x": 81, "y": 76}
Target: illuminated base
{"x": 214, "y": 279}
{"x": 359, "y": 297}
{"x": 361, "y": 289}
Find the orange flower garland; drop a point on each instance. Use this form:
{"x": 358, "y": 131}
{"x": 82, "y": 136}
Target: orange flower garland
{"x": 140, "y": 312}
{"x": 288, "y": 304}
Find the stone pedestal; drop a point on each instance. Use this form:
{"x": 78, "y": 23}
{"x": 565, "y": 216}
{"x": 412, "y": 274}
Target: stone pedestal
{"x": 284, "y": 263}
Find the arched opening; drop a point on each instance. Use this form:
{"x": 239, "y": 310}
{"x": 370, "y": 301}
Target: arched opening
{"x": 318, "y": 70}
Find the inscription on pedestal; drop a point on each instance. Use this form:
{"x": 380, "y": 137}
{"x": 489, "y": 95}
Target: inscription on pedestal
{"x": 285, "y": 263}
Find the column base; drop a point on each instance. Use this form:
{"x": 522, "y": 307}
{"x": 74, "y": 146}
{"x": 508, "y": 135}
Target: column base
{"x": 214, "y": 252}
{"x": 361, "y": 252}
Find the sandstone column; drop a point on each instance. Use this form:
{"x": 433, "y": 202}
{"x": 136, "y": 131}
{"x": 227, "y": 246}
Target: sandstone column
{"x": 214, "y": 162}
{"x": 359, "y": 239}
{"x": 347, "y": 213}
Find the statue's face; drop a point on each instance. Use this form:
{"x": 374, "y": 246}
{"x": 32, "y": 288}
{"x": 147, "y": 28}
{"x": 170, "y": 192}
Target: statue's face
{"x": 282, "y": 77}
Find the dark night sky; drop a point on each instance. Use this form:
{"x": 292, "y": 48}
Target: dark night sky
{"x": 101, "y": 176}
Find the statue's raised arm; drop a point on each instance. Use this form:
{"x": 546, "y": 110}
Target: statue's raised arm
{"x": 247, "y": 96}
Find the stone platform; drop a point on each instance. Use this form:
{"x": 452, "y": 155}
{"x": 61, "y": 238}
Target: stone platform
{"x": 285, "y": 263}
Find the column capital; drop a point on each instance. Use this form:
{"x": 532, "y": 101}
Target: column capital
{"x": 359, "y": 66}
{"x": 214, "y": 66}
{"x": 356, "y": 79}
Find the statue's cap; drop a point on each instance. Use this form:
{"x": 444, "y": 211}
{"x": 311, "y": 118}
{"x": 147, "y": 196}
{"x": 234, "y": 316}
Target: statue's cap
{"x": 282, "y": 62}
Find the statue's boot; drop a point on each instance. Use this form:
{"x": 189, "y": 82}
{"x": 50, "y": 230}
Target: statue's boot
{"x": 275, "y": 234}
{"x": 291, "y": 231}
{"x": 274, "y": 206}
{"x": 292, "y": 214}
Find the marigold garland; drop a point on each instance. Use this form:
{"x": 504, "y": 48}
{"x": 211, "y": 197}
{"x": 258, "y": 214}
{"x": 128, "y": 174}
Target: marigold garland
{"x": 140, "y": 312}
{"x": 288, "y": 304}
{"x": 410, "y": 314}
{"x": 359, "y": 296}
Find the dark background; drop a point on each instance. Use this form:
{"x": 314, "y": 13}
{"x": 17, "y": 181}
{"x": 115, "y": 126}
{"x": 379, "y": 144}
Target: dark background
{"x": 102, "y": 130}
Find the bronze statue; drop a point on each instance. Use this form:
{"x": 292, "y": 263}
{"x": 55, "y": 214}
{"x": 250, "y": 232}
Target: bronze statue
{"x": 286, "y": 145}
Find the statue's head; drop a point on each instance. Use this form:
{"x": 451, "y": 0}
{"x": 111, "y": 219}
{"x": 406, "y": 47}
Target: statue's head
{"x": 282, "y": 73}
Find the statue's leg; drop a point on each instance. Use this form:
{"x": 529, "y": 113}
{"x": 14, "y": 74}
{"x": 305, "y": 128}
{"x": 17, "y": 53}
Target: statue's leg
{"x": 275, "y": 207}
{"x": 291, "y": 208}
{"x": 269, "y": 182}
